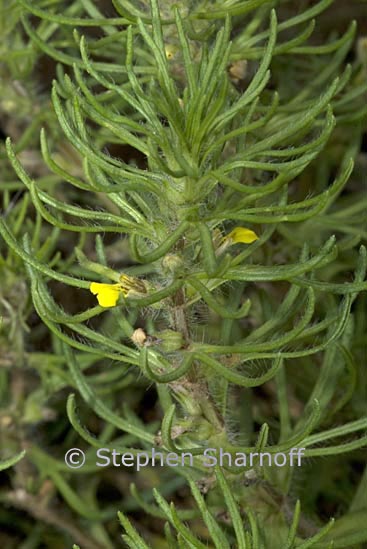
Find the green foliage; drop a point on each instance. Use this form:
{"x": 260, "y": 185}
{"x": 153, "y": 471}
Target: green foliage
{"x": 171, "y": 126}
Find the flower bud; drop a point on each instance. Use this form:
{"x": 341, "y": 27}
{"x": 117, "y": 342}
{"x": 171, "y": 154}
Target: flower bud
{"x": 172, "y": 263}
{"x": 170, "y": 340}
{"x": 139, "y": 337}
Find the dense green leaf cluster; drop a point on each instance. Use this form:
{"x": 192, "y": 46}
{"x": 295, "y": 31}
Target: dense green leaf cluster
{"x": 185, "y": 122}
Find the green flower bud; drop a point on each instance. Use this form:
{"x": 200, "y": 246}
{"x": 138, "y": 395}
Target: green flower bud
{"x": 170, "y": 340}
{"x": 172, "y": 263}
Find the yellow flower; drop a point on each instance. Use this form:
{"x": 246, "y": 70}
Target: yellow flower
{"x": 241, "y": 234}
{"x": 237, "y": 235}
{"x": 108, "y": 294}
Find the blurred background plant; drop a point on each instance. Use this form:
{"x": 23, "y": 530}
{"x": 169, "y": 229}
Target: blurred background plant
{"x": 162, "y": 131}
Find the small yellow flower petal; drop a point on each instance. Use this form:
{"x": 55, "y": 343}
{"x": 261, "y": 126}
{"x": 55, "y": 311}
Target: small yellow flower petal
{"x": 107, "y": 294}
{"x": 241, "y": 234}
